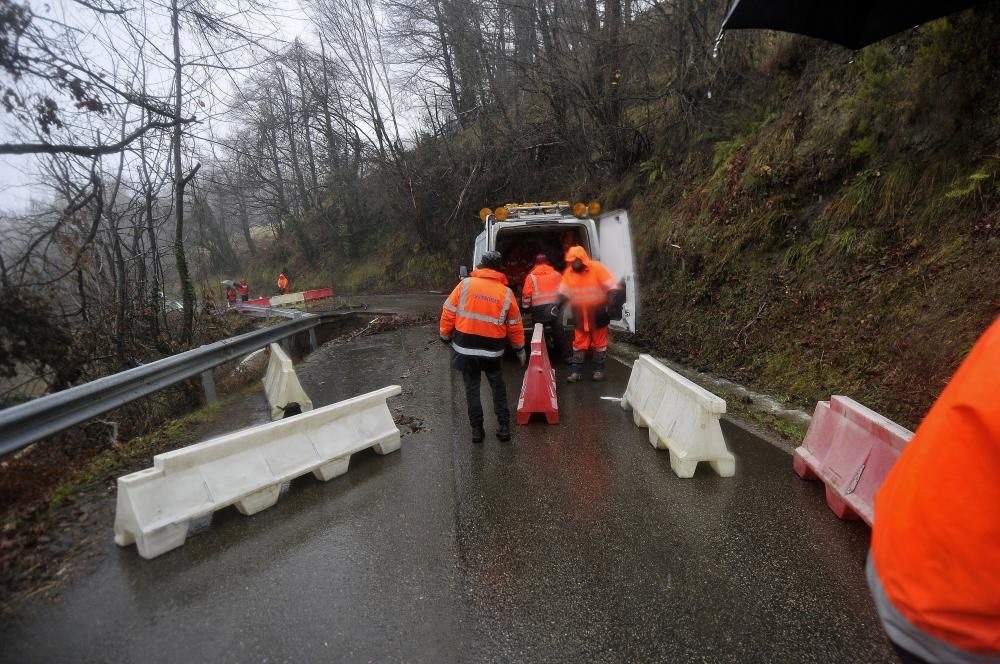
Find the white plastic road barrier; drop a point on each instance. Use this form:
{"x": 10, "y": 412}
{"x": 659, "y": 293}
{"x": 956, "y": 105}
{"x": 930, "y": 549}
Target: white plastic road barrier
{"x": 247, "y": 469}
{"x": 282, "y": 386}
{"x": 682, "y": 417}
{"x": 291, "y": 298}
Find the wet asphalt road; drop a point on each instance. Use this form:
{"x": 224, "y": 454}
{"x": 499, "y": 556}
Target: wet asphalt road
{"x": 574, "y": 543}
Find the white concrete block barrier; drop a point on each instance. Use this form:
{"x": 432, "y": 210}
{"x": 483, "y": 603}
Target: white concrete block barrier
{"x": 247, "y": 469}
{"x": 283, "y": 300}
{"x": 682, "y": 417}
{"x": 282, "y": 386}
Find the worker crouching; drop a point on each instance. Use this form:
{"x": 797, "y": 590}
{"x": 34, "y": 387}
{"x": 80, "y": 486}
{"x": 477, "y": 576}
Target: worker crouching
{"x": 592, "y": 291}
{"x": 478, "y": 319}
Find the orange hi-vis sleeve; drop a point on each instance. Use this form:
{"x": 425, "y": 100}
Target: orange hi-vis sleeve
{"x": 936, "y": 534}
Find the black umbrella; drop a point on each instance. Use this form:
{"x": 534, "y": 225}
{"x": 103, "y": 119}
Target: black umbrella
{"x": 852, "y": 23}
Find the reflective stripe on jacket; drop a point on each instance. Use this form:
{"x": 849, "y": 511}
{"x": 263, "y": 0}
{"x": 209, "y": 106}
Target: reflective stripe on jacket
{"x": 587, "y": 291}
{"x": 936, "y": 536}
{"x": 590, "y": 287}
{"x": 541, "y": 287}
{"x": 481, "y": 315}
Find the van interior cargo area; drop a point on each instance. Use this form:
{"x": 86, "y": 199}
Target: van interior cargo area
{"x": 519, "y": 246}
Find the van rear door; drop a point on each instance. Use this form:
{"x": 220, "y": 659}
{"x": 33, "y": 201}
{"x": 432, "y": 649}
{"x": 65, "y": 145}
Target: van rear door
{"x": 616, "y": 253}
{"x": 481, "y": 247}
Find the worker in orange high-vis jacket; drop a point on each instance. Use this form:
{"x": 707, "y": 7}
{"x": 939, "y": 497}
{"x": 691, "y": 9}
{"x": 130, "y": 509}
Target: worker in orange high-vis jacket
{"x": 590, "y": 288}
{"x": 478, "y": 319}
{"x": 541, "y": 289}
{"x": 539, "y": 293}
{"x": 282, "y": 283}
{"x": 934, "y": 566}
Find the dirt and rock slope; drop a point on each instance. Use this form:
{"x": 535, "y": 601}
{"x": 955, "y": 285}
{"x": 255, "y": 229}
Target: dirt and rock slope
{"x": 840, "y": 233}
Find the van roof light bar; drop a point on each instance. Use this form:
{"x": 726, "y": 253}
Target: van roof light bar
{"x": 522, "y": 211}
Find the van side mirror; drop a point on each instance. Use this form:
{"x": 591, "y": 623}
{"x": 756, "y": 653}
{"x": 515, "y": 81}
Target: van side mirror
{"x": 463, "y": 272}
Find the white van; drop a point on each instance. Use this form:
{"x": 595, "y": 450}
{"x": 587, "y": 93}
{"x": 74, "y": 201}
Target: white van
{"x": 522, "y": 231}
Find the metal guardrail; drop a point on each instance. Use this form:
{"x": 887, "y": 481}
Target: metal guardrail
{"x": 260, "y": 311}
{"x": 26, "y": 423}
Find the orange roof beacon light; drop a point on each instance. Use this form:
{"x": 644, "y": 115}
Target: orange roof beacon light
{"x": 593, "y": 208}
{"x": 544, "y": 211}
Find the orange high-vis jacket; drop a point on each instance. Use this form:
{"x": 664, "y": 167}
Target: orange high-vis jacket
{"x": 481, "y": 315}
{"x": 587, "y": 291}
{"x": 282, "y": 281}
{"x": 541, "y": 286}
{"x": 936, "y": 536}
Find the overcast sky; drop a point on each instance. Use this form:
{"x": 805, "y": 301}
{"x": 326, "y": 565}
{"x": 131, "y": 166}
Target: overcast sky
{"x": 19, "y": 180}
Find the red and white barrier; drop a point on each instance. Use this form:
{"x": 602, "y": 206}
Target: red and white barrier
{"x": 851, "y": 448}
{"x": 291, "y": 298}
{"x": 538, "y": 391}
{"x": 317, "y": 294}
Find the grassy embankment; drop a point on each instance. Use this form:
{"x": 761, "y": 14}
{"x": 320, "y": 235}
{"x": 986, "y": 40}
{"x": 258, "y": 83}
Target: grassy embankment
{"x": 842, "y": 236}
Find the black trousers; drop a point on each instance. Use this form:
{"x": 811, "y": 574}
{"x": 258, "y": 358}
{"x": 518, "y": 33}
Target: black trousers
{"x": 472, "y": 369}
{"x": 558, "y": 340}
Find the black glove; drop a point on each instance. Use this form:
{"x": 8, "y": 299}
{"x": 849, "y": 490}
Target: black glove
{"x": 444, "y": 339}
{"x": 616, "y": 302}
{"x": 556, "y": 309}
{"x": 521, "y": 357}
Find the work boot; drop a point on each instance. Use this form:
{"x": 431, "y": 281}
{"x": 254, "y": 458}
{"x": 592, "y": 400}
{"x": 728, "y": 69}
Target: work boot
{"x": 600, "y": 357}
{"x": 503, "y": 431}
{"x": 478, "y": 434}
{"x": 579, "y": 356}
